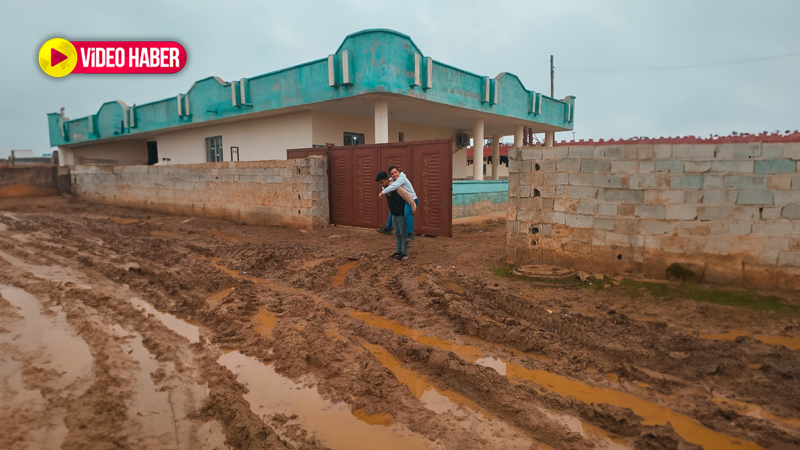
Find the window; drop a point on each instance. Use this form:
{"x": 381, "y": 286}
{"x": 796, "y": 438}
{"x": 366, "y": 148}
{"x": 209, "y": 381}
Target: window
{"x": 353, "y": 138}
{"x": 214, "y": 149}
{"x": 401, "y": 137}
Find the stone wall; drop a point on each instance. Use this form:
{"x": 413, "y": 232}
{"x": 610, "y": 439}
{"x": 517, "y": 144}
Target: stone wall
{"x": 285, "y": 192}
{"x": 478, "y": 198}
{"x": 729, "y": 211}
{"x": 31, "y": 181}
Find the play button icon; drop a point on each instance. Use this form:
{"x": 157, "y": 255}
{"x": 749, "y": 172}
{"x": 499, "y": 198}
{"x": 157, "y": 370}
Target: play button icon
{"x": 56, "y": 57}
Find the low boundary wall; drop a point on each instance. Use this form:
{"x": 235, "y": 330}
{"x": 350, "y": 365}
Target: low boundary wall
{"x": 730, "y": 212}
{"x": 479, "y": 198}
{"x": 284, "y": 192}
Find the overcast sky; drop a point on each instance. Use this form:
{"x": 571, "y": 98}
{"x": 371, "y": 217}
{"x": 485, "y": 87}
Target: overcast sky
{"x": 630, "y": 48}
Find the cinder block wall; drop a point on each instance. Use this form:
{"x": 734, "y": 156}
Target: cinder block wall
{"x": 731, "y": 212}
{"x": 284, "y": 192}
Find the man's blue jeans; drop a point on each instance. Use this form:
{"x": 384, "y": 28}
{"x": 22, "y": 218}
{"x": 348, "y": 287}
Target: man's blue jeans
{"x": 409, "y": 219}
{"x": 401, "y": 246}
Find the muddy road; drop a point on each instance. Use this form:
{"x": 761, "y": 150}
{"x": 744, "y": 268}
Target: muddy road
{"x": 127, "y": 329}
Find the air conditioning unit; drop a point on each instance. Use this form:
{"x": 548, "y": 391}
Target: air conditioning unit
{"x": 462, "y": 140}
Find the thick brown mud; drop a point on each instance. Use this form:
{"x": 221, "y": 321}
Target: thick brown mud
{"x": 125, "y": 329}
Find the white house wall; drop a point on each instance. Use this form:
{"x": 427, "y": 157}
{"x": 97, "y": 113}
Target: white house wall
{"x": 265, "y": 138}
{"x": 119, "y": 153}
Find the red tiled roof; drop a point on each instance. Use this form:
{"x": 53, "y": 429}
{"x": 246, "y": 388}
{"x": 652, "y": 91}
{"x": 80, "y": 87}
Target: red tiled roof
{"x": 732, "y": 139}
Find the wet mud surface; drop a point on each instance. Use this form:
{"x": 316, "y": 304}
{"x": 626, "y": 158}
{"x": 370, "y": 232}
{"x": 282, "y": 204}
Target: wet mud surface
{"x": 127, "y": 329}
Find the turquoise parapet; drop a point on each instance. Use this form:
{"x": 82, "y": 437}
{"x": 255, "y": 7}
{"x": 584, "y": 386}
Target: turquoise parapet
{"x": 477, "y": 198}
{"x": 367, "y": 62}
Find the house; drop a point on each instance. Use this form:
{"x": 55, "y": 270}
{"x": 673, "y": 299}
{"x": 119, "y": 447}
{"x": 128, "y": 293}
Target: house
{"x": 378, "y": 87}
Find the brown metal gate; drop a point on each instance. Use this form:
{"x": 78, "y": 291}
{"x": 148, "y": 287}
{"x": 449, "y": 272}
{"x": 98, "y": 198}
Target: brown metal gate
{"x": 354, "y": 194}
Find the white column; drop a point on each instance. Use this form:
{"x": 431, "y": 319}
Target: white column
{"x": 495, "y": 157}
{"x": 549, "y": 138}
{"x": 477, "y": 149}
{"x": 381, "y": 121}
{"x": 518, "y": 135}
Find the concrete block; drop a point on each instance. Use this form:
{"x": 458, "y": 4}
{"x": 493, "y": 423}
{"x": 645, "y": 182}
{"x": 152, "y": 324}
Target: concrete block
{"x": 771, "y": 213}
{"x": 662, "y": 151}
{"x": 555, "y": 153}
{"x": 792, "y": 150}
{"x": 755, "y": 197}
{"x": 581, "y": 179}
{"x": 739, "y": 151}
{"x": 609, "y": 152}
{"x": 693, "y": 151}
{"x": 625, "y": 167}
{"x": 531, "y": 153}
{"x": 740, "y": 228}
{"x": 713, "y": 181}
{"x": 746, "y": 213}
{"x": 717, "y": 246}
{"x": 579, "y": 221}
{"x": 621, "y": 195}
{"x": 786, "y": 197}
{"x": 607, "y": 181}
{"x": 745, "y": 182}
{"x": 525, "y": 191}
{"x": 775, "y": 228}
{"x": 659, "y": 197}
{"x": 652, "y": 227}
{"x": 546, "y": 166}
{"x": 554, "y": 217}
{"x": 604, "y": 223}
{"x": 647, "y": 166}
{"x": 645, "y": 152}
{"x": 791, "y": 211}
{"x": 555, "y": 179}
{"x": 669, "y": 166}
{"x": 651, "y": 211}
{"x": 780, "y": 181}
{"x": 513, "y": 153}
{"x": 582, "y": 192}
{"x": 513, "y": 166}
{"x": 776, "y": 166}
{"x": 546, "y": 191}
{"x": 715, "y": 212}
{"x": 565, "y": 205}
{"x": 693, "y": 197}
{"x": 607, "y": 209}
{"x": 647, "y": 181}
{"x": 732, "y": 166}
{"x": 789, "y": 259}
{"x": 527, "y": 215}
{"x": 581, "y": 151}
{"x": 697, "y": 166}
{"x": 626, "y": 225}
{"x": 587, "y": 208}
{"x": 569, "y": 165}
{"x": 715, "y": 197}
{"x": 594, "y": 166}
{"x": 512, "y": 227}
{"x": 686, "y": 182}
{"x": 772, "y": 150}
{"x": 681, "y": 212}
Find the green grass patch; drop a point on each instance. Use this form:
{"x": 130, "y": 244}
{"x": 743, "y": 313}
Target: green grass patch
{"x": 693, "y": 291}
{"x": 504, "y": 271}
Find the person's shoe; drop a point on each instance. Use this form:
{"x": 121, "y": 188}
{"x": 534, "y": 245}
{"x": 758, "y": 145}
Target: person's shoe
{"x": 405, "y": 257}
{"x": 410, "y": 238}
{"x": 400, "y": 257}
{"x": 385, "y": 231}
{"x": 395, "y": 255}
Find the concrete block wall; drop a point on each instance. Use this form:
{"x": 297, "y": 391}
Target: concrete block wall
{"x": 731, "y": 212}
{"x": 284, "y": 192}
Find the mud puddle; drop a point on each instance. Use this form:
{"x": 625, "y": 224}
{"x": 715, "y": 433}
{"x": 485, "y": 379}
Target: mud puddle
{"x": 442, "y": 401}
{"x": 216, "y": 298}
{"x": 66, "y": 353}
{"x": 748, "y": 409}
{"x": 651, "y": 413}
{"x": 265, "y": 322}
{"x": 792, "y": 343}
{"x": 179, "y": 326}
{"x": 341, "y": 273}
{"x": 333, "y": 424}
{"x": 51, "y": 273}
{"x": 122, "y": 220}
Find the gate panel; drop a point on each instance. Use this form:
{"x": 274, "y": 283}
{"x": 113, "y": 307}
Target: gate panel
{"x": 341, "y": 192}
{"x": 433, "y": 181}
{"x": 365, "y": 192}
{"x": 392, "y": 155}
